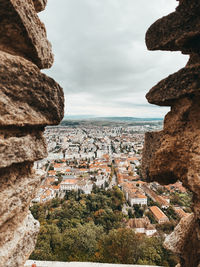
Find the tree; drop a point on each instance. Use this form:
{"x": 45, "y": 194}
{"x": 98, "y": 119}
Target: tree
{"x": 171, "y": 213}
{"x": 90, "y": 228}
{"x": 130, "y": 213}
{"x": 167, "y": 227}
{"x": 118, "y": 198}
{"x": 51, "y": 168}
{"x": 151, "y": 217}
{"x": 106, "y": 184}
{"x": 119, "y": 246}
{"x": 138, "y": 211}
{"x": 80, "y": 243}
{"x": 55, "y": 202}
{"x": 150, "y": 251}
{"x": 48, "y": 243}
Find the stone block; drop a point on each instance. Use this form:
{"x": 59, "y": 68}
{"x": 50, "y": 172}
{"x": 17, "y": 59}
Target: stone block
{"x": 151, "y": 145}
{"x": 175, "y": 241}
{"x": 185, "y": 82}
{"x": 17, "y": 250}
{"x": 179, "y": 31}
{"x": 23, "y": 34}
{"x": 21, "y": 147}
{"x": 184, "y": 239}
{"x": 19, "y": 185}
{"x": 176, "y": 156}
{"x": 173, "y": 154}
{"x": 27, "y": 96}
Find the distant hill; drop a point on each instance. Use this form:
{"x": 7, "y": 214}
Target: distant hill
{"x": 110, "y": 121}
{"x": 127, "y": 119}
{"x": 78, "y": 117}
{"x": 118, "y": 119}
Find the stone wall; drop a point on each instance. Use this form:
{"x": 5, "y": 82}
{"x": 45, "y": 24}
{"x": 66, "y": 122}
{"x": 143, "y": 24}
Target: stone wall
{"x": 174, "y": 153}
{"x": 29, "y": 100}
{"x": 79, "y": 264}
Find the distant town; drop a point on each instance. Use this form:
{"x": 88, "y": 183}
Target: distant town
{"x": 83, "y": 155}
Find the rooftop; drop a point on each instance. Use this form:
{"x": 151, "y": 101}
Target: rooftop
{"x": 140, "y": 223}
{"x": 157, "y": 212}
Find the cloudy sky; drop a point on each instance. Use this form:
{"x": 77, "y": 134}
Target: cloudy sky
{"x": 101, "y": 60}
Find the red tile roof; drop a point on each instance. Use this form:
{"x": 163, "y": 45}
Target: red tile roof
{"x": 157, "y": 213}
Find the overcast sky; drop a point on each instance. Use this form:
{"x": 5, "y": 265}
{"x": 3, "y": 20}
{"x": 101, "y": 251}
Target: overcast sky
{"x": 101, "y": 60}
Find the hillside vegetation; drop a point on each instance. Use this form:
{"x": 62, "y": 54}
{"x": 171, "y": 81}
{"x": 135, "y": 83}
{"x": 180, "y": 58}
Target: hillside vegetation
{"x": 92, "y": 228}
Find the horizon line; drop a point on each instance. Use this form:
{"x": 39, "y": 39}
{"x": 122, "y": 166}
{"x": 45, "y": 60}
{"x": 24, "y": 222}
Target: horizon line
{"x": 108, "y": 116}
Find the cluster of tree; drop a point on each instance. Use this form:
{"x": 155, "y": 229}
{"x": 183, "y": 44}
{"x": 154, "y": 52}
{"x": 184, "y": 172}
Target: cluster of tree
{"x": 92, "y": 228}
{"x": 182, "y": 199}
{"x": 103, "y": 207}
{"x": 171, "y": 214}
{"x": 139, "y": 210}
{"x": 167, "y": 227}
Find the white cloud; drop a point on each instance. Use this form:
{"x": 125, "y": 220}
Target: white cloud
{"x": 100, "y": 55}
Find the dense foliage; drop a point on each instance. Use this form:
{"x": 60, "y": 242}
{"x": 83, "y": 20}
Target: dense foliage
{"x": 182, "y": 199}
{"x": 92, "y": 228}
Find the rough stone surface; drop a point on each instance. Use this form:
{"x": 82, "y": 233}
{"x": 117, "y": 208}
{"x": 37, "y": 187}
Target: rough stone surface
{"x": 177, "y": 155}
{"x": 27, "y": 96}
{"x": 153, "y": 139}
{"x": 16, "y": 149}
{"x": 194, "y": 59}
{"x": 15, "y": 252}
{"x": 23, "y": 34}
{"x": 174, "y": 153}
{"x": 39, "y": 5}
{"x": 14, "y": 202}
{"x": 178, "y": 31}
{"x": 29, "y": 100}
{"x": 175, "y": 241}
{"x": 185, "y": 238}
{"x": 184, "y": 82}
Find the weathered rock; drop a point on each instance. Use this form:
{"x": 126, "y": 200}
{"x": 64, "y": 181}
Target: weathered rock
{"x": 39, "y": 5}
{"x": 193, "y": 60}
{"x": 185, "y": 82}
{"x": 176, "y": 157}
{"x": 175, "y": 154}
{"x": 29, "y": 100}
{"x": 185, "y": 238}
{"x": 16, "y": 194}
{"x": 16, "y": 251}
{"x": 152, "y": 144}
{"x": 155, "y": 169}
{"x": 27, "y": 96}
{"x": 16, "y": 149}
{"x": 23, "y": 34}
{"x": 178, "y": 31}
{"x": 176, "y": 240}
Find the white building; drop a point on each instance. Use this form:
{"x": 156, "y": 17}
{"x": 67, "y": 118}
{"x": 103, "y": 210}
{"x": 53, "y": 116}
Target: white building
{"x": 68, "y": 185}
{"x": 136, "y": 198}
{"x": 142, "y": 226}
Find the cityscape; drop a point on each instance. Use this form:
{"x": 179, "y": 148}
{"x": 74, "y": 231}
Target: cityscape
{"x": 100, "y": 138}
{"x": 90, "y": 155}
